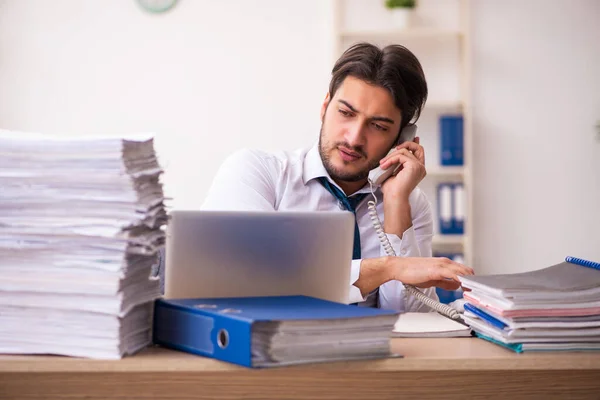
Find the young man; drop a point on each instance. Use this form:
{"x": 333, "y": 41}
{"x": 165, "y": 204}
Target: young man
{"x": 373, "y": 94}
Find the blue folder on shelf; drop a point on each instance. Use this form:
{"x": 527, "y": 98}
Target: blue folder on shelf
{"x": 272, "y": 331}
{"x": 444, "y": 208}
{"x": 451, "y": 140}
{"x": 458, "y": 209}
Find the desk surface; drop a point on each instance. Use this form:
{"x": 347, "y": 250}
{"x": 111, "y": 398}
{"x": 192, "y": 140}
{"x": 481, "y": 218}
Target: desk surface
{"x": 449, "y": 368}
{"x": 419, "y": 355}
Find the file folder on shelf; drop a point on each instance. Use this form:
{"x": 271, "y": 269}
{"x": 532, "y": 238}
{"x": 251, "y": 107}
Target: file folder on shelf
{"x": 451, "y": 208}
{"x": 458, "y": 209}
{"x": 451, "y": 140}
{"x": 445, "y": 208}
{"x": 273, "y": 331}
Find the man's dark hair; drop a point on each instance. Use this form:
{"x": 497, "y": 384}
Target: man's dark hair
{"x": 393, "y": 67}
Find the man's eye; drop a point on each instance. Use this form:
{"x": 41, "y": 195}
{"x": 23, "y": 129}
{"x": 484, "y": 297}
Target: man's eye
{"x": 380, "y": 127}
{"x": 344, "y": 112}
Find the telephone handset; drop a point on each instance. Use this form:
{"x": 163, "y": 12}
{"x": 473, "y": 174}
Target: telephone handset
{"x": 376, "y": 177}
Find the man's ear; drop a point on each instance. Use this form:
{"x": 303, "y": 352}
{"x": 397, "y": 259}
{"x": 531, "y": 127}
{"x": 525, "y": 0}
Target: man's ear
{"x": 324, "y": 106}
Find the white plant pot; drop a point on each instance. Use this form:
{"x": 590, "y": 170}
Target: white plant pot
{"x": 401, "y": 17}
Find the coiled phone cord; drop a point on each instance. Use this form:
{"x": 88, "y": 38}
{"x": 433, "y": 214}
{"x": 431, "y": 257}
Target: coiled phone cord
{"x": 389, "y": 250}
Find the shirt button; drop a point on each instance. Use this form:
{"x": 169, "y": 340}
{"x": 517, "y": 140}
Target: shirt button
{"x": 403, "y": 252}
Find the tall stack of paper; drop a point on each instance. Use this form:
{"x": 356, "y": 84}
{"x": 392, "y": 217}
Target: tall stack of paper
{"x": 81, "y": 221}
{"x": 555, "y": 308}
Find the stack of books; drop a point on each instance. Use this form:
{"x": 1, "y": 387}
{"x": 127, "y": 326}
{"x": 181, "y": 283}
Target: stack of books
{"x": 81, "y": 221}
{"x": 554, "y": 308}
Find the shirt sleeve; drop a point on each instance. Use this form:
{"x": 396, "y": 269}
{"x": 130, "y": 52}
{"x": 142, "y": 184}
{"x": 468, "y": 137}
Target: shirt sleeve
{"x": 415, "y": 242}
{"x": 245, "y": 181}
{"x": 355, "y": 296}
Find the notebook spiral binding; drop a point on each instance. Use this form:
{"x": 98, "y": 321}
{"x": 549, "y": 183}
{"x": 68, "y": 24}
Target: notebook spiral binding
{"x": 582, "y": 262}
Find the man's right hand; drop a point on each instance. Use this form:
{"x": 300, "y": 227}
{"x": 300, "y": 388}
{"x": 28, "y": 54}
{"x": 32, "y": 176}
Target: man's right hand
{"x": 422, "y": 272}
{"x": 425, "y": 272}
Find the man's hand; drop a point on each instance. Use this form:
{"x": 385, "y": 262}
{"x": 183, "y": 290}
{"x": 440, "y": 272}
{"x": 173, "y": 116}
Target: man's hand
{"x": 422, "y": 272}
{"x": 431, "y": 271}
{"x": 411, "y": 156}
{"x": 397, "y": 189}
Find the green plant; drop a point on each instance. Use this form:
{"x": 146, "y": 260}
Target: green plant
{"x": 400, "y": 3}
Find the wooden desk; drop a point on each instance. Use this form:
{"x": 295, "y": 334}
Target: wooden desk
{"x": 464, "y": 368}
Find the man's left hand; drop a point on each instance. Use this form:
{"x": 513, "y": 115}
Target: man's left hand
{"x": 411, "y": 156}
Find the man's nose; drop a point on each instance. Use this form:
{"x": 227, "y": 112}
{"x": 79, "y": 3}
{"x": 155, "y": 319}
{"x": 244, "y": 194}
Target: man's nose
{"x": 355, "y": 134}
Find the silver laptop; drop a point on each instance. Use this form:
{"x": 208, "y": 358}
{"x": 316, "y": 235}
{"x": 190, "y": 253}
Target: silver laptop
{"x": 244, "y": 253}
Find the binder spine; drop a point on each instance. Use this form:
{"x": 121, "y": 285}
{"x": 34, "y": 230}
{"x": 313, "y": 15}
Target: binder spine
{"x": 445, "y": 208}
{"x": 451, "y": 140}
{"x": 458, "y": 207}
{"x": 200, "y": 332}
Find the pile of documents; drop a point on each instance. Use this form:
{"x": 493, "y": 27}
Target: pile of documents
{"x": 555, "y": 308}
{"x": 81, "y": 222}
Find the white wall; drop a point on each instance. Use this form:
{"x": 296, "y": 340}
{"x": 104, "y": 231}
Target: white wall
{"x": 207, "y": 77}
{"x": 536, "y": 99}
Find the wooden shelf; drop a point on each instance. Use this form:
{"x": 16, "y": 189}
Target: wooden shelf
{"x": 415, "y": 33}
{"x": 448, "y": 240}
{"x": 440, "y": 171}
{"x": 443, "y": 105}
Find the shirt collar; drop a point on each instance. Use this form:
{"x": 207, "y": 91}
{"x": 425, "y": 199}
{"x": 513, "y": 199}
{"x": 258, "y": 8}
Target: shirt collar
{"x": 314, "y": 168}
{"x": 313, "y": 165}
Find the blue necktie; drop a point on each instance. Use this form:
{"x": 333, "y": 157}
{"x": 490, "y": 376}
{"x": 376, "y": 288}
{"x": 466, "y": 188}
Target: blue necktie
{"x": 350, "y": 204}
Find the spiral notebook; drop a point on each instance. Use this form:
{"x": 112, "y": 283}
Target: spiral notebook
{"x": 428, "y": 324}
{"x": 573, "y": 281}
{"x": 582, "y": 262}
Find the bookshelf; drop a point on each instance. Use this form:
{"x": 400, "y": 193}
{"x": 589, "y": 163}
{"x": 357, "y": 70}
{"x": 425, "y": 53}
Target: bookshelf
{"x": 439, "y": 37}
{"x": 400, "y": 34}
{"x": 448, "y": 241}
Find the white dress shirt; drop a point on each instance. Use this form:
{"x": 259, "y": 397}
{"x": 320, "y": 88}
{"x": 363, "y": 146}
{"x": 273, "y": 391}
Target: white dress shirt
{"x": 287, "y": 181}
